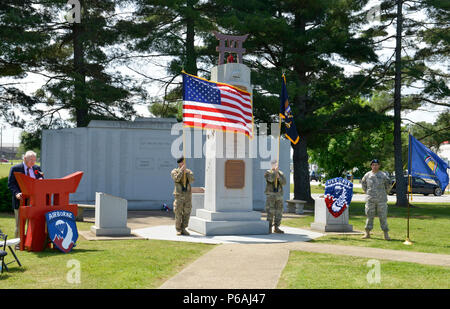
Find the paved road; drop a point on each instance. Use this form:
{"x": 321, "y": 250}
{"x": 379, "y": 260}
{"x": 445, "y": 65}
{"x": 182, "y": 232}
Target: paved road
{"x": 417, "y": 198}
{"x": 315, "y": 183}
{"x": 392, "y": 198}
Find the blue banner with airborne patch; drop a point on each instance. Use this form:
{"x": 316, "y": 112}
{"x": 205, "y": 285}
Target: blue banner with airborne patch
{"x": 424, "y": 163}
{"x": 338, "y": 195}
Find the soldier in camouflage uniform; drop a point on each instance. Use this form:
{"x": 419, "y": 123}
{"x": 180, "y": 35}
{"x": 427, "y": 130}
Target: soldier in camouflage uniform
{"x": 183, "y": 196}
{"x": 274, "y": 200}
{"x": 376, "y": 185}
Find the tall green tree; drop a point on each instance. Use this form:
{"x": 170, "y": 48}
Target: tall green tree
{"x": 28, "y": 141}
{"x": 353, "y": 150}
{"x": 422, "y": 40}
{"x": 22, "y": 42}
{"x": 169, "y": 35}
{"x": 76, "y": 62}
{"x": 402, "y": 199}
{"x": 170, "y": 107}
{"x": 433, "y": 135}
{"x": 307, "y": 40}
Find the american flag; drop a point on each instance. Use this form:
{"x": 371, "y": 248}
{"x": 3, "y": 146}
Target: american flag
{"x": 218, "y": 106}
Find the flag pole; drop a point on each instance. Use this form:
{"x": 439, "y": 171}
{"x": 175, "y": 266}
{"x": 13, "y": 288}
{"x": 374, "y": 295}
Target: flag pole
{"x": 184, "y": 159}
{"x": 279, "y": 138}
{"x": 184, "y": 144}
{"x": 408, "y": 241}
{"x": 278, "y": 152}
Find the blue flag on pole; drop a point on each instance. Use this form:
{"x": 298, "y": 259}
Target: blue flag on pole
{"x": 424, "y": 163}
{"x": 285, "y": 113}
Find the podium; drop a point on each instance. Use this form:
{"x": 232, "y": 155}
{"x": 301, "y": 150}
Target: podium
{"x": 40, "y": 196}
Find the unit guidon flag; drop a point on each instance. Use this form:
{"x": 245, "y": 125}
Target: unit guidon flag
{"x": 286, "y": 114}
{"x": 217, "y": 106}
{"x": 424, "y": 163}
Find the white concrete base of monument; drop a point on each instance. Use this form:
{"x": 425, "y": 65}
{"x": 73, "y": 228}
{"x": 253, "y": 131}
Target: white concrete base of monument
{"x": 110, "y": 231}
{"x": 325, "y": 222}
{"x": 332, "y": 227}
{"x": 198, "y": 200}
{"x": 228, "y": 223}
{"x": 168, "y": 232}
{"x": 228, "y": 215}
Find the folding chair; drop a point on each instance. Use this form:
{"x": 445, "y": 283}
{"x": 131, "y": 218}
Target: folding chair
{"x": 11, "y": 243}
{"x": 3, "y": 253}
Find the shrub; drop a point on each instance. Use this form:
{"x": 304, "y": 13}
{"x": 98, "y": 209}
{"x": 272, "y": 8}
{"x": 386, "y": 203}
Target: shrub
{"x": 5, "y": 196}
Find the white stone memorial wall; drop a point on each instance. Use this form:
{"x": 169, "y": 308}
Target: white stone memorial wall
{"x": 133, "y": 160}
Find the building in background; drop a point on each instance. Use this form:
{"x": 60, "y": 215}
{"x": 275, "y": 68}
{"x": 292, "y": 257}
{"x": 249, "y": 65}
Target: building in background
{"x": 8, "y": 151}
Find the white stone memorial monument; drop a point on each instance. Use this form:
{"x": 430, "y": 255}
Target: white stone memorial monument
{"x": 324, "y": 221}
{"x": 228, "y": 200}
{"x": 110, "y": 216}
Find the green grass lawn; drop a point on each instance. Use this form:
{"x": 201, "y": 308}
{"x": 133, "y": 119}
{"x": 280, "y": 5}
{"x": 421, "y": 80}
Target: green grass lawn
{"x": 118, "y": 264}
{"x": 147, "y": 264}
{"x": 429, "y": 228}
{"x": 5, "y": 167}
{"x": 306, "y": 270}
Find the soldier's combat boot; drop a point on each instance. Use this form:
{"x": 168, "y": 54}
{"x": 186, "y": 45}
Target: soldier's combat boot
{"x": 277, "y": 230}
{"x": 386, "y": 236}
{"x": 270, "y": 229}
{"x": 179, "y": 233}
{"x": 184, "y": 232}
{"x": 366, "y": 234}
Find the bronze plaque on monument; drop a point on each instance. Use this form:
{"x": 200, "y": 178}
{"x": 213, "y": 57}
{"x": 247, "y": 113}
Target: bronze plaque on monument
{"x": 234, "y": 174}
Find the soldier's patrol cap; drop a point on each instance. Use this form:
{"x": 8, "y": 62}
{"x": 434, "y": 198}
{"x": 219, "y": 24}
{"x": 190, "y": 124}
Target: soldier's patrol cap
{"x": 180, "y": 160}
{"x": 375, "y": 161}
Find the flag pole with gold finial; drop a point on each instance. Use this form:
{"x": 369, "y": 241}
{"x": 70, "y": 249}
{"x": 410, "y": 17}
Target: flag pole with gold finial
{"x": 184, "y": 160}
{"x": 184, "y": 149}
{"x": 279, "y": 138}
{"x": 278, "y": 152}
{"x": 408, "y": 241}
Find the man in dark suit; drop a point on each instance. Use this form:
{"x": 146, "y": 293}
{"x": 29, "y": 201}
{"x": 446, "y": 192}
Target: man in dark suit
{"x": 28, "y": 168}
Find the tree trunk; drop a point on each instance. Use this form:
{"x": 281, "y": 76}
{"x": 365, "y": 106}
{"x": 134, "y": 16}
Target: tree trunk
{"x": 191, "y": 57}
{"x": 80, "y": 101}
{"x": 302, "y": 188}
{"x": 400, "y": 180}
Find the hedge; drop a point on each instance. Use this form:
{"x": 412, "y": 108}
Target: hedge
{"x": 5, "y": 196}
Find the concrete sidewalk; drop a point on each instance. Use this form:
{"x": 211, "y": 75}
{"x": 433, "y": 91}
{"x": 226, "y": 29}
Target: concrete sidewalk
{"x": 374, "y": 253}
{"x": 233, "y": 266}
{"x": 259, "y": 266}
{"x": 168, "y": 232}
